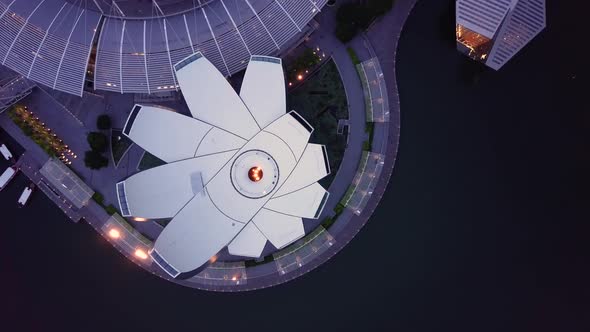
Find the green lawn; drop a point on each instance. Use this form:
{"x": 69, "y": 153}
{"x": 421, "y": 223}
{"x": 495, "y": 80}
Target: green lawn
{"x": 321, "y": 100}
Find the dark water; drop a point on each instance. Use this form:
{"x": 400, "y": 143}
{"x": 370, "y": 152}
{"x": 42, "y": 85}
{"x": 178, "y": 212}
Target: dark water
{"x": 484, "y": 226}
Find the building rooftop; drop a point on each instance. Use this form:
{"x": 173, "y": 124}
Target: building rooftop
{"x": 494, "y": 31}
{"x": 136, "y": 54}
{"x": 67, "y": 182}
{"x": 239, "y": 173}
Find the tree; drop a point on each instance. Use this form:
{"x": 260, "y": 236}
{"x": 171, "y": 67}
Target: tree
{"x": 103, "y": 122}
{"x": 98, "y": 141}
{"x": 95, "y": 160}
{"x": 355, "y": 16}
{"x": 348, "y": 21}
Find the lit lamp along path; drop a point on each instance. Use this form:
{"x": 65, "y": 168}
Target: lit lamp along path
{"x": 115, "y": 234}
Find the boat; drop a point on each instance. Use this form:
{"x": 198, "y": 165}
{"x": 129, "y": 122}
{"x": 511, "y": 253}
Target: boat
{"x": 24, "y": 197}
{"x": 5, "y": 152}
{"x": 8, "y": 174}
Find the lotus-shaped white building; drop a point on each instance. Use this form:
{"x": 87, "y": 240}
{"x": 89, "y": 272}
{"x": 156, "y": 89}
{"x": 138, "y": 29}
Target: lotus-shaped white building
{"x": 239, "y": 173}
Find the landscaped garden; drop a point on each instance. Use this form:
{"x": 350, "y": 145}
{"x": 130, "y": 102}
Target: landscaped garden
{"x": 34, "y": 128}
{"x": 99, "y": 198}
{"x": 299, "y": 67}
{"x": 321, "y": 100}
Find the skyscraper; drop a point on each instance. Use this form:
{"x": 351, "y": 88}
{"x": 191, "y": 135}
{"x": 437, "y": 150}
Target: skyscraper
{"x": 493, "y": 31}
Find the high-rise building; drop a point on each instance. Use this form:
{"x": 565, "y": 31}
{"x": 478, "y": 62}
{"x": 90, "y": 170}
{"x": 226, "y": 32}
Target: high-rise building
{"x": 493, "y": 31}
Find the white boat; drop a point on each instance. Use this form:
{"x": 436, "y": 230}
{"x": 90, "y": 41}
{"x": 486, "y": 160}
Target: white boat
{"x": 24, "y": 197}
{"x": 8, "y": 174}
{"x": 5, "y": 152}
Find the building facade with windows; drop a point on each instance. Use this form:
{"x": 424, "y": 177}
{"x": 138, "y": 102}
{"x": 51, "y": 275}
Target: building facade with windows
{"x": 131, "y": 46}
{"x": 494, "y": 31}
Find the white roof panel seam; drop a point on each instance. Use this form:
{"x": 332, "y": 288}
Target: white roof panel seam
{"x": 294, "y": 191}
{"x": 287, "y": 144}
{"x": 290, "y": 173}
{"x": 218, "y": 209}
{"x": 283, "y": 213}
{"x": 210, "y": 91}
{"x": 201, "y": 141}
{"x": 214, "y": 153}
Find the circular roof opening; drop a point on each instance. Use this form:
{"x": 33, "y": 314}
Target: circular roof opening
{"x": 255, "y": 174}
{"x": 248, "y": 177}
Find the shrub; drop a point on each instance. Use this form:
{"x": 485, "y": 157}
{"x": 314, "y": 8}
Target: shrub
{"x": 103, "y": 122}
{"x": 265, "y": 260}
{"x": 98, "y": 141}
{"x": 95, "y": 160}
{"x": 353, "y": 56}
{"x": 339, "y": 209}
{"x": 328, "y": 221}
{"x": 98, "y": 197}
{"x": 111, "y": 209}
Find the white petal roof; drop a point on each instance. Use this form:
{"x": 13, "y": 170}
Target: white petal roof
{"x": 147, "y": 122}
{"x": 233, "y": 202}
{"x": 312, "y": 167}
{"x": 280, "y": 229}
{"x": 212, "y": 99}
{"x": 218, "y": 140}
{"x": 263, "y": 89}
{"x": 310, "y": 202}
{"x": 155, "y": 194}
{"x": 249, "y": 243}
{"x": 293, "y": 130}
{"x": 196, "y": 234}
{"x": 209, "y": 191}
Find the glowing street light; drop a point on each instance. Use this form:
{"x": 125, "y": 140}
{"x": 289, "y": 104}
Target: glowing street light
{"x": 141, "y": 254}
{"x": 114, "y": 233}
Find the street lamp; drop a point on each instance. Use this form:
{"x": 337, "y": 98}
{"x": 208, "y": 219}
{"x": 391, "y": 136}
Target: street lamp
{"x": 140, "y": 254}
{"x": 114, "y": 233}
